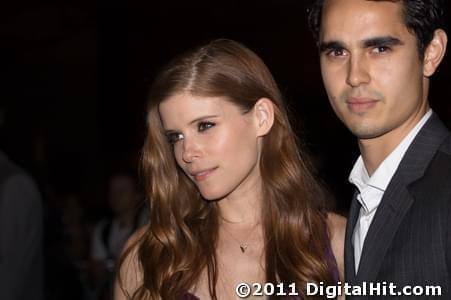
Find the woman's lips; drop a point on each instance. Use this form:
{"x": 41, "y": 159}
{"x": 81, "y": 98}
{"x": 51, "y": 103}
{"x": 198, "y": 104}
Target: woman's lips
{"x": 202, "y": 175}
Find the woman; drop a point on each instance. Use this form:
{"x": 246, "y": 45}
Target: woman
{"x": 232, "y": 199}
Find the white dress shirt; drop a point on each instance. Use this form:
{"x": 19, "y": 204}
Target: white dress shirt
{"x": 371, "y": 189}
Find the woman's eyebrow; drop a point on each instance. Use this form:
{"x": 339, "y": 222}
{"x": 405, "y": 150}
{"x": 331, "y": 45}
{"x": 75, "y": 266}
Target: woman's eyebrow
{"x": 202, "y": 118}
{"x": 168, "y": 131}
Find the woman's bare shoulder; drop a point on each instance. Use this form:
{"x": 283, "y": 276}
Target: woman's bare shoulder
{"x": 336, "y": 224}
{"x": 130, "y": 270}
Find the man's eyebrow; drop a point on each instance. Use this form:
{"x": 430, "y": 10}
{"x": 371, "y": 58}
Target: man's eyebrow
{"x": 324, "y": 46}
{"x": 381, "y": 41}
{"x": 388, "y": 41}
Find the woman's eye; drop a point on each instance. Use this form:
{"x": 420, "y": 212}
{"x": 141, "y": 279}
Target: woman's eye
{"x": 202, "y": 126}
{"x": 174, "y": 137}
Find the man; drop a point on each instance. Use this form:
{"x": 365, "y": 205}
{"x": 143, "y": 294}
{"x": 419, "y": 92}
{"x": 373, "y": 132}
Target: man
{"x": 376, "y": 60}
{"x": 21, "y": 267}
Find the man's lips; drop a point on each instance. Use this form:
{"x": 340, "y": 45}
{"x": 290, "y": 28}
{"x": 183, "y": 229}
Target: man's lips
{"x": 203, "y": 174}
{"x": 357, "y": 104}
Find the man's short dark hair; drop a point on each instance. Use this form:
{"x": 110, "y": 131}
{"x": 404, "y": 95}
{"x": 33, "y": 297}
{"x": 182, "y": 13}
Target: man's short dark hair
{"x": 422, "y": 17}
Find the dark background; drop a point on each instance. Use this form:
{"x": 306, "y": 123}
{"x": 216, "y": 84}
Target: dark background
{"x": 74, "y": 77}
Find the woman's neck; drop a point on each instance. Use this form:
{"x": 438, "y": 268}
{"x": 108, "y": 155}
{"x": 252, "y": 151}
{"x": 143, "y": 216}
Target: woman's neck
{"x": 242, "y": 206}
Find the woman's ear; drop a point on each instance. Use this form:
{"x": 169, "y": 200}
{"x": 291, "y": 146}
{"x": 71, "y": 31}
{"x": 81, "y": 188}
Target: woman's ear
{"x": 434, "y": 52}
{"x": 264, "y": 116}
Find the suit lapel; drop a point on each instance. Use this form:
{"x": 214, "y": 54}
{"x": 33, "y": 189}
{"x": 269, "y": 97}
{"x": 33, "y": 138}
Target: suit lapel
{"x": 397, "y": 200}
{"x": 349, "y": 249}
{"x": 390, "y": 213}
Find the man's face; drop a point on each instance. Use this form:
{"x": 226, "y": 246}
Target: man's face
{"x": 371, "y": 68}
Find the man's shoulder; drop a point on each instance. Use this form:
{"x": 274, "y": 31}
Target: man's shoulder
{"x": 442, "y": 159}
{"x": 437, "y": 175}
{"x": 430, "y": 152}
{"x": 445, "y": 147}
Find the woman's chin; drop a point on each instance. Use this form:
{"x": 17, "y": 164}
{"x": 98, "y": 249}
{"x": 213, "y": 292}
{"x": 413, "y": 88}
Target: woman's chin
{"x": 212, "y": 195}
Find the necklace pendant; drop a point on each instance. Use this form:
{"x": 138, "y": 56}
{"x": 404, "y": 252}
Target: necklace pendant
{"x": 243, "y": 248}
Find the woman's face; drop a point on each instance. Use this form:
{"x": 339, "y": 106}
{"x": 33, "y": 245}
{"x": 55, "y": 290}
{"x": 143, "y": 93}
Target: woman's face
{"x": 215, "y": 143}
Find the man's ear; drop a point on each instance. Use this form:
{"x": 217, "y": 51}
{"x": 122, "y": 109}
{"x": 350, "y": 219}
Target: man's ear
{"x": 434, "y": 52}
{"x": 264, "y": 116}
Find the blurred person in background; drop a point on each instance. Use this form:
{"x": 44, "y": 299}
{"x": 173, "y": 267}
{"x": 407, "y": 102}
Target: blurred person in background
{"x": 21, "y": 230}
{"x": 111, "y": 232}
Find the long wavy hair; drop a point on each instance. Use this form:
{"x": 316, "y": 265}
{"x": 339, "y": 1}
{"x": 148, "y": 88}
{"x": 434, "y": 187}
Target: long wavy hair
{"x": 180, "y": 240}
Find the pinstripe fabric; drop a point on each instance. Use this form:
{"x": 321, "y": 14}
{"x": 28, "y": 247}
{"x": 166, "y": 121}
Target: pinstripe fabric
{"x": 408, "y": 242}
{"x": 349, "y": 251}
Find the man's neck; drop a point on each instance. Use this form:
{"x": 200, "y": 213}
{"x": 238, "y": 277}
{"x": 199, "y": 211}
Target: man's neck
{"x": 374, "y": 151}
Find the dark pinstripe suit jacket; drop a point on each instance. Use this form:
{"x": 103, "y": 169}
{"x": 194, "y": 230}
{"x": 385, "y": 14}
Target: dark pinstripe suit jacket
{"x": 409, "y": 240}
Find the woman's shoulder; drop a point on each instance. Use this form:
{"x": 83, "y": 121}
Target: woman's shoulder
{"x": 336, "y": 224}
{"x": 337, "y": 228}
{"x": 130, "y": 273}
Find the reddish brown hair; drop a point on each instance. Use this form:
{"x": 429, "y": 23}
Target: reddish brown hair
{"x": 180, "y": 240}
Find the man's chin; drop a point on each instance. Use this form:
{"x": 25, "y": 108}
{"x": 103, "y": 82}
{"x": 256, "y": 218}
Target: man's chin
{"x": 366, "y": 131}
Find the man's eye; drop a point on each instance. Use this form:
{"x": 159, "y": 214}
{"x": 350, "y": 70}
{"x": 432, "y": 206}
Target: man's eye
{"x": 202, "y": 126}
{"x": 381, "y": 49}
{"x": 336, "y": 52}
{"x": 174, "y": 137}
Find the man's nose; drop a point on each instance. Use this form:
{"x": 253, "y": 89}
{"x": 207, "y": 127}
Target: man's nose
{"x": 358, "y": 72}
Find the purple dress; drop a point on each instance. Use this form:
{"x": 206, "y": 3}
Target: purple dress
{"x": 333, "y": 271}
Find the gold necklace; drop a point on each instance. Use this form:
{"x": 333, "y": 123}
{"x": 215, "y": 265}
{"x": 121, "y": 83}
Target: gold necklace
{"x": 243, "y": 246}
